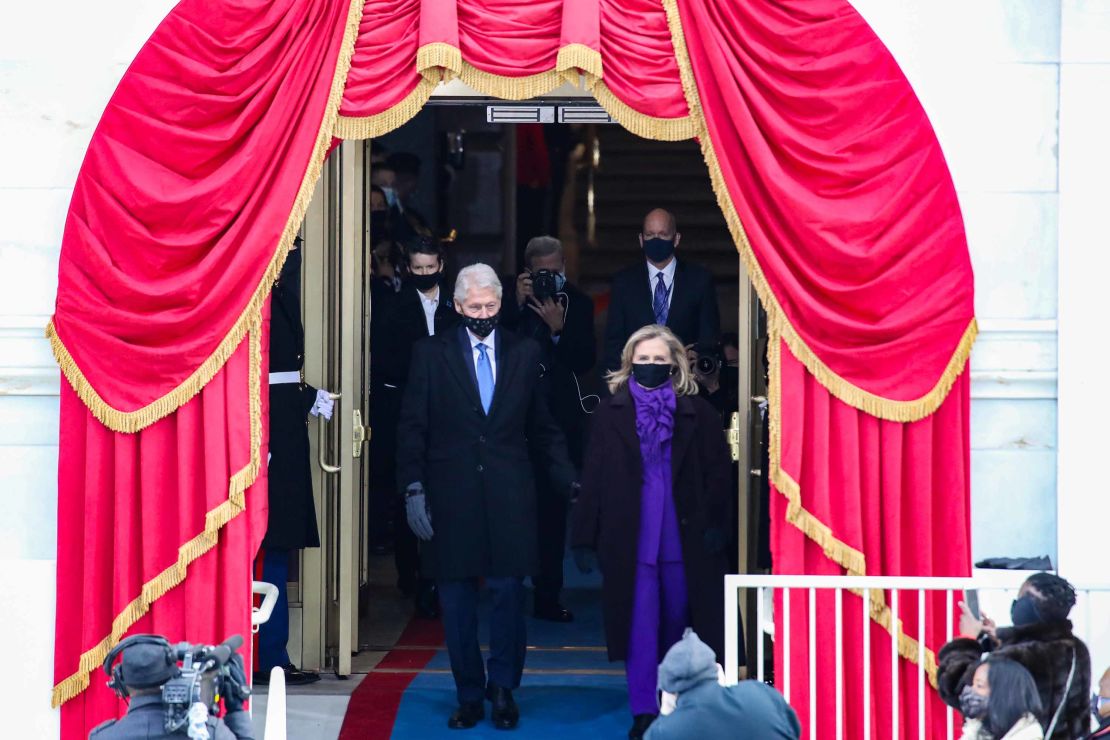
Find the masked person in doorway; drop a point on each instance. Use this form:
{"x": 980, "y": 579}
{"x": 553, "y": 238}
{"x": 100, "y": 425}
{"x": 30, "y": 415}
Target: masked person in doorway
{"x": 473, "y": 416}
{"x": 661, "y": 290}
{"x": 655, "y": 492}
{"x": 422, "y": 309}
{"x": 292, "y": 512}
{"x": 560, "y": 317}
{"x": 1040, "y": 639}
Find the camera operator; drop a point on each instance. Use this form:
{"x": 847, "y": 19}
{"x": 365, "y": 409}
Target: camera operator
{"x": 150, "y": 663}
{"x": 707, "y": 361}
{"x": 560, "y": 317}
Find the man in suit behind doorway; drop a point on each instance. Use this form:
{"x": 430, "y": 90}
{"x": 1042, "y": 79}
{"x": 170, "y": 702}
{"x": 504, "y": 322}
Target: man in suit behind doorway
{"x": 472, "y": 418}
{"x": 661, "y": 290}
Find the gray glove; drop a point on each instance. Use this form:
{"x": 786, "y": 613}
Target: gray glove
{"x": 417, "y": 512}
{"x": 585, "y": 559}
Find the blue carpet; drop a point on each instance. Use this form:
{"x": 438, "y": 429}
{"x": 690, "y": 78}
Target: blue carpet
{"x": 575, "y": 703}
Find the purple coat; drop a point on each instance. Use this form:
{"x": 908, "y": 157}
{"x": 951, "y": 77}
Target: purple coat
{"x": 607, "y": 515}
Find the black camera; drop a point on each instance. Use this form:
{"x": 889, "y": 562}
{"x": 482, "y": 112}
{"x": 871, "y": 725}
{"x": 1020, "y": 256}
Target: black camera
{"x": 544, "y": 285}
{"x": 709, "y": 361}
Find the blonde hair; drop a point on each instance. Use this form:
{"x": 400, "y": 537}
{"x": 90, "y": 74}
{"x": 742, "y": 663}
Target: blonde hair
{"x": 682, "y": 380}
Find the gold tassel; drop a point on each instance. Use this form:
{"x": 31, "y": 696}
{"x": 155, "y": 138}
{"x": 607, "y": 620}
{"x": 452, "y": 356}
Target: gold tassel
{"x": 438, "y": 54}
{"x": 641, "y": 124}
{"x": 214, "y": 520}
{"x": 579, "y": 56}
{"x": 379, "y": 124}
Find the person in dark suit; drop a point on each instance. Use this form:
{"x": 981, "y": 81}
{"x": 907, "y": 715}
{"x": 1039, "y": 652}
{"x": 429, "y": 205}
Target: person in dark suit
{"x": 422, "y": 309}
{"x": 661, "y": 290}
{"x": 473, "y": 412}
{"x": 655, "y": 492}
{"x": 292, "y": 511}
{"x": 561, "y": 318}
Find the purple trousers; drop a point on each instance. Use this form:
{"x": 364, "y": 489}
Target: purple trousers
{"x": 659, "y": 616}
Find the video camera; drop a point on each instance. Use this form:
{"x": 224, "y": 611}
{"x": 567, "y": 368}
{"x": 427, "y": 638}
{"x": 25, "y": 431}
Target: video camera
{"x": 544, "y": 285}
{"x": 192, "y": 678}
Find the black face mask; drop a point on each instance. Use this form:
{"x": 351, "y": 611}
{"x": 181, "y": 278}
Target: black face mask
{"x": 972, "y": 705}
{"x": 424, "y": 282}
{"x": 651, "y": 375}
{"x": 658, "y": 250}
{"x": 730, "y": 376}
{"x": 1024, "y": 611}
{"x": 481, "y": 328}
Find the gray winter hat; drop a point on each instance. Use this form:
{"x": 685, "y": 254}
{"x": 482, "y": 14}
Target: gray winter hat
{"x": 688, "y": 663}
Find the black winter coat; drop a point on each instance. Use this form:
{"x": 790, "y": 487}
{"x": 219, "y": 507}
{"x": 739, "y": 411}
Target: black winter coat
{"x": 607, "y": 515}
{"x": 292, "y": 511}
{"x": 475, "y": 467}
{"x": 1046, "y": 651}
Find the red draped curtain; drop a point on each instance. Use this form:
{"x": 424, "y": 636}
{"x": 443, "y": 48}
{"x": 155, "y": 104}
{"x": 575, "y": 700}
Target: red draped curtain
{"x": 828, "y": 174}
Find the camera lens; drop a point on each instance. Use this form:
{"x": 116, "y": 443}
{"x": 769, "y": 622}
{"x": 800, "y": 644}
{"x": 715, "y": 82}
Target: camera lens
{"x": 706, "y": 364}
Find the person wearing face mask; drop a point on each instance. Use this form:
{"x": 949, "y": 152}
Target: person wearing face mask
{"x": 421, "y": 309}
{"x": 655, "y": 496}
{"x": 1001, "y": 703}
{"x": 1100, "y": 707}
{"x": 473, "y": 418}
{"x": 1041, "y": 640}
{"x": 560, "y": 317}
{"x": 661, "y": 289}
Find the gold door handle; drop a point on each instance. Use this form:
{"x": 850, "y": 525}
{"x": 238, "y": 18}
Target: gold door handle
{"x": 756, "y": 472}
{"x": 759, "y": 399}
{"x": 330, "y": 469}
{"x": 732, "y": 435}
{"x": 358, "y": 435}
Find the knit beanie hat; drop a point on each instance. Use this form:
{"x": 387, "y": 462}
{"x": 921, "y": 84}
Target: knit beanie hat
{"x": 688, "y": 663}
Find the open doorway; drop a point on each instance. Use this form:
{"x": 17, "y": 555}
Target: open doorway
{"x": 472, "y": 190}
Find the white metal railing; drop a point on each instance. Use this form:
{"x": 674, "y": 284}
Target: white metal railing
{"x": 993, "y": 589}
{"x": 275, "y": 697}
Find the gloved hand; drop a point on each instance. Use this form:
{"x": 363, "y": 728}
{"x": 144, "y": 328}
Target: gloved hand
{"x": 418, "y": 512}
{"x": 234, "y": 688}
{"x": 585, "y": 559}
{"x": 324, "y": 405}
{"x": 714, "y": 540}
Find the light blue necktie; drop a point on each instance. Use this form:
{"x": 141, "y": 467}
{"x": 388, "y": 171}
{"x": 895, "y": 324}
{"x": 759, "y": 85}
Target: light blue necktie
{"x": 485, "y": 377}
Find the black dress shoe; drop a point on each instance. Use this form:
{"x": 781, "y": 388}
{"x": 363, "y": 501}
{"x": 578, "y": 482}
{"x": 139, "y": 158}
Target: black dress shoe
{"x": 294, "y": 676}
{"x": 427, "y": 600}
{"x": 640, "y": 724}
{"x": 467, "y": 715}
{"x": 505, "y": 714}
{"x": 552, "y": 612}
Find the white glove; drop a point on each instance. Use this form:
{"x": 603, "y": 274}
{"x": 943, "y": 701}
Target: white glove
{"x": 323, "y": 406}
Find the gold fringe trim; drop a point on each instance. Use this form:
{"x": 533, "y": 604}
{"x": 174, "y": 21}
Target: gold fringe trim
{"x": 849, "y": 393}
{"x": 579, "y": 57}
{"x": 648, "y": 127}
{"x": 439, "y": 54}
{"x": 214, "y": 520}
{"x": 379, "y": 124}
{"x": 852, "y": 560}
{"x": 130, "y": 422}
{"x": 510, "y": 88}
{"x": 248, "y": 325}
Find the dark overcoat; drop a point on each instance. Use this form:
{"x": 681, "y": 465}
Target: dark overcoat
{"x": 1046, "y": 650}
{"x": 292, "y": 512}
{"x": 475, "y": 467}
{"x": 607, "y": 515}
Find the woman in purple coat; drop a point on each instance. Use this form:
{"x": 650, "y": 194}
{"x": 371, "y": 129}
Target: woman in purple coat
{"x": 653, "y": 507}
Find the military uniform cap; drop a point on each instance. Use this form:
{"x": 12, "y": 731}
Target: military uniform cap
{"x": 146, "y": 666}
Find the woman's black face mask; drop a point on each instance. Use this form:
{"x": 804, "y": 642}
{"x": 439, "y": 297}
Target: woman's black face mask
{"x": 650, "y": 375}
{"x": 1024, "y": 611}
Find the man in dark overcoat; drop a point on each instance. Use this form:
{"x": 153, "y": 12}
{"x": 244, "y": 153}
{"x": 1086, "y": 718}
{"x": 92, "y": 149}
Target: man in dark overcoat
{"x": 472, "y": 413}
{"x": 292, "y": 511}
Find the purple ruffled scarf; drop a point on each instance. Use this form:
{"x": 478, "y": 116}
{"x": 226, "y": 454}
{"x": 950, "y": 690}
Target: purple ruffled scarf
{"x": 654, "y": 418}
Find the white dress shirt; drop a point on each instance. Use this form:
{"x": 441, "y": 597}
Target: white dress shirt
{"x": 491, "y": 353}
{"x": 430, "y": 305}
{"x": 668, "y": 279}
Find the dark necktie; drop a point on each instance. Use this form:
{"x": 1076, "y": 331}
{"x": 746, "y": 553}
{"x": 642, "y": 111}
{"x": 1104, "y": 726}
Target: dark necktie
{"x": 659, "y": 301}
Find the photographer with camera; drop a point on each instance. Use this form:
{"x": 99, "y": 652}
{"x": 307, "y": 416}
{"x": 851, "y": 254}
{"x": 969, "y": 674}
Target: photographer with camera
{"x": 707, "y": 362}
{"x": 168, "y": 700}
{"x": 560, "y": 317}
